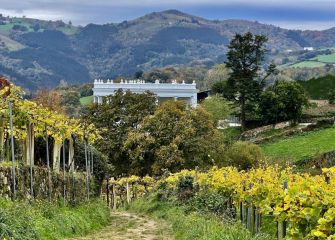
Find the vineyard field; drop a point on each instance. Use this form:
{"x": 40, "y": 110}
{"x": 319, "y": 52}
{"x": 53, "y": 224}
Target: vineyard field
{"x": 303, "y": 201}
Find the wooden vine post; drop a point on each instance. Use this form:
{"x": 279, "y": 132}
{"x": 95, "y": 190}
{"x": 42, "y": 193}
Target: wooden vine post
{"x": 13, "y": 149}
{"x": 89, "y": 161}
{"x": 48, "y": 163}
{"x": 64, "y": 177}
{"x": 250, "y": 215}
{"x": 281, "y": 226}
{"x": 87, "y": 171}
{"x": 107, "y": 190}
{"x": 92, "y": 159}
{"x": 242, "y": 210}
{"x": 257, "y": 220}
{"x": 128, "y": 192}
{"x": 114, "y": 195}
{"x": 30, "y": 136}
{"x": 284, "y": 223}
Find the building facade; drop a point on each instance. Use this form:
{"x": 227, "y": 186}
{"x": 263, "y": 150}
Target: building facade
{"x": 164, "y": 91}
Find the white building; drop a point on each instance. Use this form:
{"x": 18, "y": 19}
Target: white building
{"x": 164, "y": 91}
{"x": 308, "y": 49}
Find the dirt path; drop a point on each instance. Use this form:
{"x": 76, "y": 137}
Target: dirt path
{"x": 129, "y": 226}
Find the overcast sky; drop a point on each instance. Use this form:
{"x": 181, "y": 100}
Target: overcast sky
{"x": 294, "y": 14}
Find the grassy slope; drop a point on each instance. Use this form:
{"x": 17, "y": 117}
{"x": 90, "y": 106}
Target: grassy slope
{"x": 86, "y": 100}
{"x": 10, "y": 44}
{"x": 318, "y": 88}
{"x": 329, "y": 58}
{"x": 308, "y": 64}
{"x": 193, "y": 225}
{"x": 317, "y": 61}
{"x": 21, "y": 220}
{"x": 302, "y": 146}
{"x": 6, "y": 29}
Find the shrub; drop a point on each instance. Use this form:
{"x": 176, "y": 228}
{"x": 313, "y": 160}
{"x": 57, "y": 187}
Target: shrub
{"x": 185, "y": 188}
{"x": 210, "y": 202}
{"x": 244, "y": 155}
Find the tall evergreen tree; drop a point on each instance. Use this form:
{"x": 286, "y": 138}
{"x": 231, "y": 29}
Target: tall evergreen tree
{"x": 245, "y": 59}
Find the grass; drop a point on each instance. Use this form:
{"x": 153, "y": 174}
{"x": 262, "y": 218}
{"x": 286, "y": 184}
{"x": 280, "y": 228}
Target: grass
{"x": 194, "y": 225}
{"x": 68, "y": 30}
{"x": 329, "y": 58}
{"x": 302, "y": 146}
{"x": 10, "y": 44}
{"x": 231, "y": 134}
{"x": 5, "y": 29}
{"x": 308, "y": 64}
{"x": 86, "y": 100}
{"x": 43, "y": 220}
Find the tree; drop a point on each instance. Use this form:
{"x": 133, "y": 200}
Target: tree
{"x": 174, "y": 137}
{"x": 244, "y": 58}
{"x": 331, "y": 96}
{"x": 116, "y": 117}
{"x": 138, "y": 74}
{"x": 218, "y": 73}
{"x": 51, "y": 99}
{"x": 283, "y": 101}
{"x": 218, "y": 107}
{"x": 36, "y": 27}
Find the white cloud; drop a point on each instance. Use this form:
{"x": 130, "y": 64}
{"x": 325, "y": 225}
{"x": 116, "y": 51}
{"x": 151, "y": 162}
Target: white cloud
{"x": 34, "y": 13}
{"x": 102, "y": 11}
{"x": 303, "y": 25}
{"x": 150, "y": 3}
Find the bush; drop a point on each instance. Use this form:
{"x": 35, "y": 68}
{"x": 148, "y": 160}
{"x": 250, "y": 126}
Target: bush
{"x": 212, "y": 203}
{"x": 244, "y": 155}
{"x": 185, "y": 188}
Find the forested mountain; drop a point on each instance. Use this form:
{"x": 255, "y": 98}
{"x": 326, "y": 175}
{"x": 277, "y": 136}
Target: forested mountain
{"x": 35, "y": 53}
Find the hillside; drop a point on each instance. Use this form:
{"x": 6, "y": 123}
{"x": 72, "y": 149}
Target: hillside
{"x": 37, "y": 53}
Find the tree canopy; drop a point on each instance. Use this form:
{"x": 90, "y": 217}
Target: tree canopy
{"x": 117, "y": 116}
{"x": 284, "y": 100}
{"x": 218, "y": 107}
{"x": 173, "y": 138}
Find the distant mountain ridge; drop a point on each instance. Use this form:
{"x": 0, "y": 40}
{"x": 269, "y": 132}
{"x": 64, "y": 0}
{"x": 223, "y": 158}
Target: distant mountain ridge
{"x": 37, "y": 53}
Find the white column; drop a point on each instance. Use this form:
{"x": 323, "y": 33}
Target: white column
{"x": 99, "y": 99}
{"x": 194, "y": 100}
{"x": 175, "y": 98}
